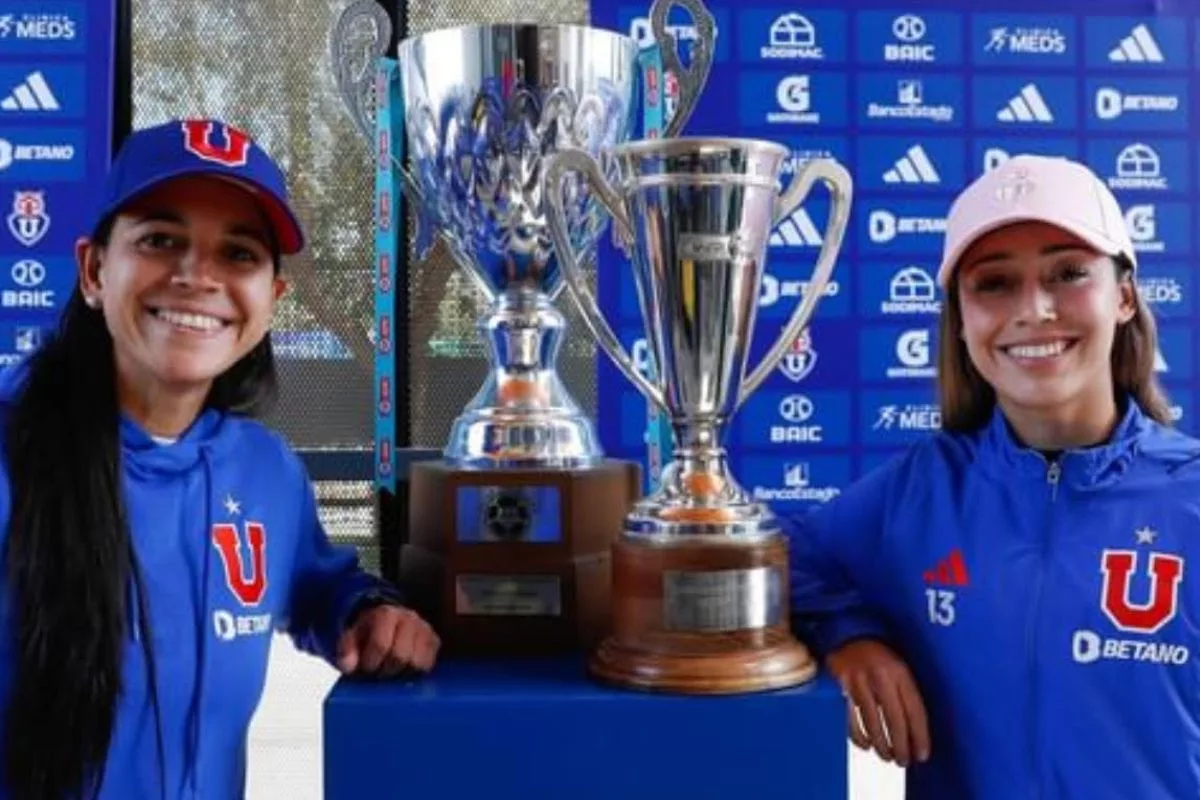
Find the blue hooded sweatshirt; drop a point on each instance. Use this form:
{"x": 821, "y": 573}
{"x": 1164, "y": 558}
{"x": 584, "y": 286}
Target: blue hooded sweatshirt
{"x": 224, "y": 523}
{"x": 1047, "y": 608}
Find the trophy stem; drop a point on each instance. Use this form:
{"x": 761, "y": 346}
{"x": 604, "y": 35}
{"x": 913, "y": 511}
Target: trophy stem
{"x": 524, "y": 332}
{"x": 700, "y": 466}
{"x": 523, "y": 414}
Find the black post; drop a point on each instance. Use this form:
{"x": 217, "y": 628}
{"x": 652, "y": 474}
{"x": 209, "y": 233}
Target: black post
{"x": 122, "y": 118}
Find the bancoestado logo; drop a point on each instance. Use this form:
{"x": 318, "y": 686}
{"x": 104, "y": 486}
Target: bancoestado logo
{"x": 25, "y": 339}
{"x": 908, "y": 102}
{"x": 797, "y": 487}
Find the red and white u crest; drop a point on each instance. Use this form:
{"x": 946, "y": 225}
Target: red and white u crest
{"x": 249, "y": 589}
{"x": 198, "y": 140}
{"x": 1166, "y": 573}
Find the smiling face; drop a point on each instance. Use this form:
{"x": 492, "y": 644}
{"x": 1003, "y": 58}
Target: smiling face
{"x": 186, "y": 282}
{"x": 1039, "y": 312}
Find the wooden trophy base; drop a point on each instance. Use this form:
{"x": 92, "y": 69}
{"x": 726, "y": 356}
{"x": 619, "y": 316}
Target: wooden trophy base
{"x": 515, "y": 562}
{"x": 701, "y": 618}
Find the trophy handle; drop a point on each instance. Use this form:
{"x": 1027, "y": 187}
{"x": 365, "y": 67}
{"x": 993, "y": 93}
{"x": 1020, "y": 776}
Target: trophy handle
{"x": 841, "y": 187}
{"x": 559, "y": 164}
{"x": 692, "y": 80}
{"x": 355, "y": 86}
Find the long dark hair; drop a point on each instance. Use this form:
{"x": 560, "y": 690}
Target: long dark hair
{"x": 70, "y": 564}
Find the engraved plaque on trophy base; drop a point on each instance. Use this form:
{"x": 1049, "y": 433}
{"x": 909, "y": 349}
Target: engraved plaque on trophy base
{"x": 701, "y": 618}
{"x": 516, "y": 561}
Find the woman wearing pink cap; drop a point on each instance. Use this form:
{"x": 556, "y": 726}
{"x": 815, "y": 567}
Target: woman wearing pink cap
{"x": 155, "y": 532}
{"x": 1010, "y": 605}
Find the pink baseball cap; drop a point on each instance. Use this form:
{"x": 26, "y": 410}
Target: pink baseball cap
{"x": 1027, "y": 188}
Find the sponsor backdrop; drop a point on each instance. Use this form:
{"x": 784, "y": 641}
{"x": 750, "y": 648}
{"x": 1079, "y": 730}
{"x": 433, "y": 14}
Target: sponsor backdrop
{"x": 56, "y": 121}
{"x": 916, "y": 100}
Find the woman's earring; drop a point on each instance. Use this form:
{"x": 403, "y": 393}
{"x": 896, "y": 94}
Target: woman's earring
{"x": 93, "y": 301}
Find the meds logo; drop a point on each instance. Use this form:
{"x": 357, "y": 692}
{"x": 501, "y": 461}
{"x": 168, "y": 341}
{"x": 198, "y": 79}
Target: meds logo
{"x": 897, "y": 417}
{"x": 1022, "y": 40}
{"x": 1167, "y": 290}
{"x": 54, "y": 27}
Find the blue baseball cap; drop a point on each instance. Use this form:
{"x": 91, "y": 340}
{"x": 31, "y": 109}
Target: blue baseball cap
{"x": 150, "y": 156}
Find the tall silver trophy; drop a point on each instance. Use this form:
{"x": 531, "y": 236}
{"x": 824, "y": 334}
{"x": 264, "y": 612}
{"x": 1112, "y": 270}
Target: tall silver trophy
{"x": 495, "y": 527}
{"x": 700, "y": 569}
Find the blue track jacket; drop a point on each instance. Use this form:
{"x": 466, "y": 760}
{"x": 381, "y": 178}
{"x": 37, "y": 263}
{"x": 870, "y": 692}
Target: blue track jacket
{"x": 1049, "y": 610}
{"x": 224, "y": 522}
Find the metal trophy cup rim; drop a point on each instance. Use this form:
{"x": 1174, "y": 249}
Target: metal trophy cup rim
{"x": 673, "y": 514}
{"x": 458, "y": 31}
{"x": 697, "y": 145}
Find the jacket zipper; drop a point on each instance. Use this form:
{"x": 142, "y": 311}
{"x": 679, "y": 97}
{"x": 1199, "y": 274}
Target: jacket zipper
{"x": 1053, "y": 474}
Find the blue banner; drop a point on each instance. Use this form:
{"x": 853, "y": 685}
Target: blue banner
{"x": 389, "y": 207}
{"x": 56, "y": 121}
{"x": 916, "y": 103}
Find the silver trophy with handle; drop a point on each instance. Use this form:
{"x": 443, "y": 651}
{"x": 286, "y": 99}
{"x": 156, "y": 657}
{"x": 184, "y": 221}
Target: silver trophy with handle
{"x": 509, "y": 534}
{"x": 483, "y": 107}
{"x": 700, "y": 569}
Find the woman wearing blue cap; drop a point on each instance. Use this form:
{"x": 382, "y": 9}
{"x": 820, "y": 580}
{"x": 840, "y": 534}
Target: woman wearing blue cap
{"x": 1011, "y": 605}
{"x": 156, "y": 533}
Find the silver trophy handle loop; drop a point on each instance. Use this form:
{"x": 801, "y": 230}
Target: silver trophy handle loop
{"x": 557, "y": 167}
{"x": 841, "y": 188}
{"x": 693, "y": 79}
{"x": 355, "y": 87}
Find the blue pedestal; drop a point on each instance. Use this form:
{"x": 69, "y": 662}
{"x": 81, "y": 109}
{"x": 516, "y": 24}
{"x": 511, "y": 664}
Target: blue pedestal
{"x": 543, "y": 729}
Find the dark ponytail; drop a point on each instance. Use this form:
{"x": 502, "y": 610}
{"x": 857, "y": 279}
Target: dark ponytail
{"x": 69, "y": 562}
